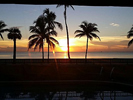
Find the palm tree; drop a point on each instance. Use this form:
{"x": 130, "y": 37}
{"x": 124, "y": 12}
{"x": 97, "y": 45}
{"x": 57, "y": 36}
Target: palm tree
{"x": 40, "y": 35}
{"x": 36, "y": 39}
{"x": 87, "y": 30}
{"x": 130, "y": 33}
{"x": 65, "y": 17}
{"x": 50, "y": 40}
{"x": 2, "y": 25}
{"x": 14, "y": 33}
{"x": 49, "y": 18}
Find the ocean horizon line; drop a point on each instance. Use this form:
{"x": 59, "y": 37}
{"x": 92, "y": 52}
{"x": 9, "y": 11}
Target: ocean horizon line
{"x": 38, "y": 55}
{"x": 71, "y": 52}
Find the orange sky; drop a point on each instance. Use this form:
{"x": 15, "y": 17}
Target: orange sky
{"x": 116, "y": 43}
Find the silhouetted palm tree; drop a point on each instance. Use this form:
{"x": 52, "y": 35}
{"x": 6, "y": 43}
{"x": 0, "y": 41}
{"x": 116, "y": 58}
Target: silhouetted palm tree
{"x": 130, "y": 34}
{"x": 2, "y": 25}
{"x": 14, "y": 33}
{"x": 87, "y": 30}
{"x": 65, "y": 17}
{"x": 40, "y": 35}
{"x": 49, "y": 18}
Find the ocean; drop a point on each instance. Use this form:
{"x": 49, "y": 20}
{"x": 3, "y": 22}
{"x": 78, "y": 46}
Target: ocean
{"x": 38, "y": 55}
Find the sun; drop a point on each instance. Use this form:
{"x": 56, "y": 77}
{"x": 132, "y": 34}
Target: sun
{"x": 63, "y": 44}
{"x": 64, "y": 48}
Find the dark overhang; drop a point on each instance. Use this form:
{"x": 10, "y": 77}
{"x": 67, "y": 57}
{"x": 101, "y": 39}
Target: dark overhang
{"x": 122, "y": 3}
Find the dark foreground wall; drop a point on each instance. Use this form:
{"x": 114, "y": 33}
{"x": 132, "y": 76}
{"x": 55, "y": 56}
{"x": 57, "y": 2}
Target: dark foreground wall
{"x": 64, "y": 69}
{"x": 92, "y": 61}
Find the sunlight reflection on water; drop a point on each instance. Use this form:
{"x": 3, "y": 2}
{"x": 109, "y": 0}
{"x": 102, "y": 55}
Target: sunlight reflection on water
{"x": 65, "y": 55}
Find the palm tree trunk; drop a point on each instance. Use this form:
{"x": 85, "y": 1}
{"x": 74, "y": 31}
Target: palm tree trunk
{"x": 48, "y": 51}
{"x": 86, "y": 49}
{"x": 48, "y": 44}
{"x": 42, "y": 52}
{"x": 14, "y": 51}
{"x": 67, "y": 34}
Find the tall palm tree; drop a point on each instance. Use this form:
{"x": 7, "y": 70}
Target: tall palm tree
{"x": 87, "y": 30}
{"x": 14, "y": 33}
{"x": 49, "y": 18}
{"x": 40, "y": 34}
{"x": 38, "y": 39}
{"x": 65, "y": 17}
{"x": 2, "y": 25}
{"x": 130, "y": 34}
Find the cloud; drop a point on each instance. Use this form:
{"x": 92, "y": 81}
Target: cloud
{"x": 114, "y": 24}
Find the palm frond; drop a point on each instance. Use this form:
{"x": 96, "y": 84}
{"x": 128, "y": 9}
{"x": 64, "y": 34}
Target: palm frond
{"x": 40, "y": 23}
{"x": 52, "y": 45}
{"x": 94, "y": 24}
{"x": 90, "y": 37}
{"x": 66, "y": 5}
{"x": 46, "y": 11}
{"x": 58, "y": 5}
{"x": 1, "y": 36}
{"x": 34, "y": 29}
{"x": 54, "y": 40}
{"x": 37, "y": 43}
{"x": 130, "y": 42}
{"x": 34, "y": 35}
{"x": 78, "y": 31}
{"x": 59, "y": 25}
{"x": 72, "y": 7}
{"x": 31, "y": 28}
{"x": 129, "y": 35}
{"x": 85, "y": 23}
{"x": 2, "y": 24}
{"x": 4, "y": 30}
{"x": 53, "y": 33}
{"x": 10, "y": 35}
{"x": 94, "y": 29}
{"x": 83, "y": 27}
{"x": 18, "y": 36}
{"x": 131, "y": 30}
{"x": 80, "y": 35}
{"x": 32, "y": 42}
{"x": 40, "y": 46}
{"x": 95, "y": 36}
{"x": 14, "y": 33}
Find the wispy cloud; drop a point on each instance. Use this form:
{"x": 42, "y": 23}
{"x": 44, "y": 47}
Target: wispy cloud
{"x": 114, "y": 24}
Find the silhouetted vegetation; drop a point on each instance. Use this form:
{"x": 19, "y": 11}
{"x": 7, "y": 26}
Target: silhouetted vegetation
{"x": 2, "y": 25}
{"x": 14, "y": 33}
{"x": 49, "y": 20}
{"x": 87, "y": 30}
{"x": 41, "y": 33}
{"x": 65, "y": 17}
{"x": 130, "y": 34}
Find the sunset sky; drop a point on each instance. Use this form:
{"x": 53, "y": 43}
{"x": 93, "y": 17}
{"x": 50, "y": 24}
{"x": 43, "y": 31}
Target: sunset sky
{"x": 113, "y": 24}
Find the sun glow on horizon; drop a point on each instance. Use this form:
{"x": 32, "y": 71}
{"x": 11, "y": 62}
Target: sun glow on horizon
{"x": 63, "y": 44}
{"x": 64, "y": 48}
